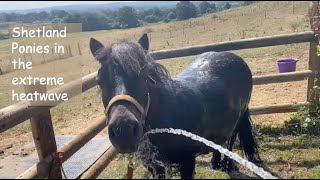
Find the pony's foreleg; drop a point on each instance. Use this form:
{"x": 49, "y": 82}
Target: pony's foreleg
{"x": 216, "y": 160}
{"x": 216, "y": 155}
{"x": 187, "y": 167}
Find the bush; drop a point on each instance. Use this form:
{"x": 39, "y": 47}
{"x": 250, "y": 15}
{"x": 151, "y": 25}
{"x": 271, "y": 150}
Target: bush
{"x": 185, "y": 10}
{"x": 171, "y": 15}
{"x": 152, "y": 19}
{"x": 304, "y": 123}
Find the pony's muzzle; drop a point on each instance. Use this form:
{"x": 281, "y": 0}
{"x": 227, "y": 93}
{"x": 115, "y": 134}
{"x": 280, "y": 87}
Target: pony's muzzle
{"x": 125, "y": 134}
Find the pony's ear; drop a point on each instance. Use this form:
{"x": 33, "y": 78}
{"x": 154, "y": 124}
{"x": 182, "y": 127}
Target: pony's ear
{"x": 144, "y": 41}
{"x": 95, "y": 46}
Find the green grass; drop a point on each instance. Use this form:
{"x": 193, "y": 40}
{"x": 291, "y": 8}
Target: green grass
{"x": 283, "y": 156}
{"x": 292, "y": 157}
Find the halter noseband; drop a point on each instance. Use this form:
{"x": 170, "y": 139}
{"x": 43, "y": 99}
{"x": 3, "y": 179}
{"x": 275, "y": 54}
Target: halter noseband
{"x": 124, "y": 97}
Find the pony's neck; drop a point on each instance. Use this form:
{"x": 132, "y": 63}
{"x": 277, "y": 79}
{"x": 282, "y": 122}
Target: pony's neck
{"x": 162, "y": 97}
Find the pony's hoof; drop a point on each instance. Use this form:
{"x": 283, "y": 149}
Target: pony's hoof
{"x": 227, "y": 166}
{"x": 255, "y": 160}
{"x": 216, "y": 165}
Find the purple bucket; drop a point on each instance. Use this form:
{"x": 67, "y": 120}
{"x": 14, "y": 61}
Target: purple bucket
{"x": 287, "y": 65}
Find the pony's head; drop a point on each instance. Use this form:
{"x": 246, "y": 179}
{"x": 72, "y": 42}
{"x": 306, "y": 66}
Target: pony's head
{"x": 126, "y": 75}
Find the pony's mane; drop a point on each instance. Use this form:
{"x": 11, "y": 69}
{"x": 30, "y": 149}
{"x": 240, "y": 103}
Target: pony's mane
{"x": 133, "y": 59}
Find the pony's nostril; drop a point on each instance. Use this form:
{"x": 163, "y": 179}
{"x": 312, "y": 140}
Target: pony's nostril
{"x": 114, "y": 131}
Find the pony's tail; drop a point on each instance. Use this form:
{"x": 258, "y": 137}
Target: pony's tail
{"x": 247, "y": 141}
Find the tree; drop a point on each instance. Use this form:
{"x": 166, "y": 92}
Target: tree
{"x": 227, "y": 6}
{"x": 171, "y": 15}
{"x": 127, "y": 17}
{"x": 186, "y": 10}
{"x": 90, "y": 21}
{"x": 58, "y": 14}
{"x": 43, "y": 16}
{"x": 213, "y": 7}
{"x": 203, "y": 6}
{"x": 156, "y": 12}
{"x": 246, "y": 3}
{"x": 151, "y": 19}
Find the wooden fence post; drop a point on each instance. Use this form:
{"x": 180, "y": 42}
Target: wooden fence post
{"x": 314, "y": 66}
{"x": 293, "y": 7}
{"x": 43, "y": 133}
{"x": 31, "y": 57}
{"x": 70, "y": 52}
{"x": 65, "y": 51}
{"x": 150, "y": 39}
{"x": 80, "y": 53}
{"x": 43, "y": 59}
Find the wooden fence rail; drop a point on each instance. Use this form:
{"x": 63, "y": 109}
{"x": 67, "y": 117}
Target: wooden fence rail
{"x": 22, "y": 111}
{"x": 41, "y": 169}
{"x": 283, "y": 77}
{"x": 236, "y": 45}
{"x": 18, "y": 113}
{"x": 279, "y": 108}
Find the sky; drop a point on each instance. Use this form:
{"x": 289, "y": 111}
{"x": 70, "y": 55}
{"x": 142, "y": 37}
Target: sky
{"x": 21, "y": 5}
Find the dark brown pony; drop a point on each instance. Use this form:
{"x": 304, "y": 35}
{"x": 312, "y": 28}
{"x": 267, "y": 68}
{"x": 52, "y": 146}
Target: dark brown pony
{"x": 209, "y": 98}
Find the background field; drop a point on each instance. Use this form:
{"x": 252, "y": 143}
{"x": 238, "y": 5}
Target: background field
{"x": 286, "y": 156}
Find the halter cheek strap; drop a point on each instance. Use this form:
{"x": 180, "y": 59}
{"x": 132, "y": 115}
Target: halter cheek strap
{"x": 124, "y": 97}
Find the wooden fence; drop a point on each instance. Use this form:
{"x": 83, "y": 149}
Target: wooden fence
{"x": 45, "y": 140}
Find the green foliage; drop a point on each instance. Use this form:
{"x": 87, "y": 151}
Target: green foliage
{"x": 186, "y": 10}
{"x": 203, "y": 6}
{"x": 171, "y": 15}
{"x": 304, "y": 122}
{"x": 213, "y": 7}
{"x": 127, "y": 17}
{"x": 58, "y": 14}
{"x": 246, "y": 3}
{"x": 90, "y": 21}
{"x": 152, "y": 19}
{"x": 227, "y": 5}
{"x": 156, "y": 12}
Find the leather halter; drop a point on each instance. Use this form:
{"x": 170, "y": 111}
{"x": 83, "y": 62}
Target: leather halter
{"x": 124, "y": 97}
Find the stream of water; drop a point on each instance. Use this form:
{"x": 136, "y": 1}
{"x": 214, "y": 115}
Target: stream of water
{"x": 258, "y": 170}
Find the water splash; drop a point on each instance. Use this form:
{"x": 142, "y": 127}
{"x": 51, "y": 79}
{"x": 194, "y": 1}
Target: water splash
{"x": 148, "y": 155}
{"x": 258, "y": 170}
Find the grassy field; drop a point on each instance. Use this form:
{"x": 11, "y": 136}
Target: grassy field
{"x": 286, "y": 156}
